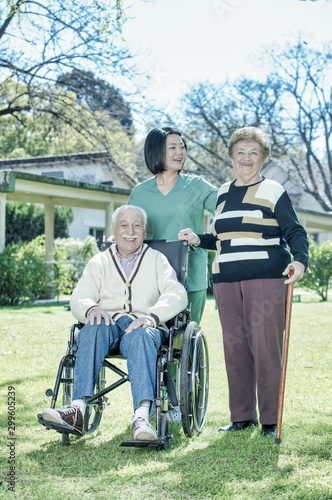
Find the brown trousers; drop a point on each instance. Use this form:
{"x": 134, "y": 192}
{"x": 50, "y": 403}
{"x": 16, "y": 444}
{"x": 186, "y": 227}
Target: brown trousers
{"x": 252, "y": 317}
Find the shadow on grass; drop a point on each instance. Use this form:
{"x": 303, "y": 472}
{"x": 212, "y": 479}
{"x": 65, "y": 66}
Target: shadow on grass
{"x": 246, "y": 452}
{"x": 18, "y": 381}
{"x": 215, "y": 466}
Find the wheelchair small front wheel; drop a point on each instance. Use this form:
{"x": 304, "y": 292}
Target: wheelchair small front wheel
{"x": 94, "y": 411}
{"x": 92, "y": 417}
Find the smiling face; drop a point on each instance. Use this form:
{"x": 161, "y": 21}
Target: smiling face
{"x": 175, "y": 154}
{"x": 247, "y": 159}
{"x": 129, "y": 232}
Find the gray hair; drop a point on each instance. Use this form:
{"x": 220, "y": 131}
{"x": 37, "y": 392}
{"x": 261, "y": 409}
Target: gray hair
{"x": 129, "y": 207}
{"x": 250, "y": 134}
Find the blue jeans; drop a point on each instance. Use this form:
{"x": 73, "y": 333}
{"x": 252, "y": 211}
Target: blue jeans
{"x": 140, "y": 348}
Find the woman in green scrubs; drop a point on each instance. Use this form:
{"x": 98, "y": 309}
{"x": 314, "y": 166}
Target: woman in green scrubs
{"x": 174, "y": 200}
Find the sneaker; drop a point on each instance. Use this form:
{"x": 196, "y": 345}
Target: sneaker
{"x": 142, "y": 430}
{"x": 174, "y": 415}
{"x": 70, "y": 416}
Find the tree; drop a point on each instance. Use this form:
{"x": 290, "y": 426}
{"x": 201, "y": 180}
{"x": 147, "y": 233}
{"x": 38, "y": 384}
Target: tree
{"x": 318, "y": 276}
{"x": 212, "y": 113}
{"x": 30, "y": 135}
{"x": 42, "y": 41}
{"x": 97, "y": 94}
{"x": 292, "y": 103}
{"x": 25, "y": 221}
{"x": 304, "y": 75}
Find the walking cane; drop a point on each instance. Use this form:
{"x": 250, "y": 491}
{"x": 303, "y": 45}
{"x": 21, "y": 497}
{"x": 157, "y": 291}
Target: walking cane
{"x": 284, "y": 358}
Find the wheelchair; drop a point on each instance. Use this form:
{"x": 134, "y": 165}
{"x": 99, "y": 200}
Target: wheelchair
{"x": 182, "y": 371}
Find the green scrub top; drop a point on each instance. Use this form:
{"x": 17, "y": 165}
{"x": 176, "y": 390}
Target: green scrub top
{"x": 182, "y": 207}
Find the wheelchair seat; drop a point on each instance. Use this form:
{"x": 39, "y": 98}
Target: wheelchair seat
{"x": 182, "y": 369}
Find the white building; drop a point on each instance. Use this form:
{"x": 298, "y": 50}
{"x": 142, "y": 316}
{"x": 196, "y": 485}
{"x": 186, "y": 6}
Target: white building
{"x": 83, "y": 169}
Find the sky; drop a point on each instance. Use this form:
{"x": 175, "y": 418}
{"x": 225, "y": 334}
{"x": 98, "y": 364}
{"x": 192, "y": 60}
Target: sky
{"x": 186, "y": 41}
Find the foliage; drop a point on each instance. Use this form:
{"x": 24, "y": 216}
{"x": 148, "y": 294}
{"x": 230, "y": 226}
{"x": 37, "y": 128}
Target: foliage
{"x": 23, "y": 272}
{"x": 291, "y": 103}
{"x": 25, "y": 277}
{"x": 30, "y": 134}
{"x": 212, "y": 465}
{"x": 73, "y": 254}
{"x": 211, "y": 256}
{"x": 97, "y": 94}
{"x": 25, "y": 221}
{"x": 42, "y": 42}
{"x": 318, "y": 276}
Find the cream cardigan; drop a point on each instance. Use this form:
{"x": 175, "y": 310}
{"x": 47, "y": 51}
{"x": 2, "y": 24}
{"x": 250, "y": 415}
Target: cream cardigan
{"x": 152, "y": 288}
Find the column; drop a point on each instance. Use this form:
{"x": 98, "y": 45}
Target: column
{"x": 2, "y": 221}
{"x": 49, "y": 242}
{"x": 108, "y": 218}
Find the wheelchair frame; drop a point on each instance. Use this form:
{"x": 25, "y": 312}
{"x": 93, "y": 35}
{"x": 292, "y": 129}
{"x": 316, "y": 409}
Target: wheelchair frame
{"x": 185, "y": 349}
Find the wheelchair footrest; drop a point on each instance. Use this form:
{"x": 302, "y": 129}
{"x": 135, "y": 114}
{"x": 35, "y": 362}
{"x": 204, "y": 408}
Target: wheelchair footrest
{"x": 139, "y": 443}
{"x": 59, "y": 428}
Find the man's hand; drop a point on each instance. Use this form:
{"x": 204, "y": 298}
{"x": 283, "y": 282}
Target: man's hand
{"x": 144, "y": 322}
{"x": 297, "y": 273}
{"x": 99, "y": 313}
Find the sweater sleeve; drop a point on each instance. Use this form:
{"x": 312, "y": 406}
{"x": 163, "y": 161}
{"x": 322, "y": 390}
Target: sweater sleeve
{"x": 293, "y": 232}
{"x": 86, "y": 294}
{"x": 208, "y": 241}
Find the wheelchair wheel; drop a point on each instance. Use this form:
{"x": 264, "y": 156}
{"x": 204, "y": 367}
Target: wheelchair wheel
{"x": 94, "y": 411}
{"x": 194, "y": 380}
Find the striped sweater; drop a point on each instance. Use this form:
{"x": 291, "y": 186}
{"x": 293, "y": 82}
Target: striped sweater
{"x": 255, "y": 230}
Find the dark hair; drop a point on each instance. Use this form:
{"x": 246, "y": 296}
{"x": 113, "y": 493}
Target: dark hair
{"x": 155, "y": 148}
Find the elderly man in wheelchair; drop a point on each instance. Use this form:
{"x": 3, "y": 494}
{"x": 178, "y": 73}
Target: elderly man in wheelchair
{"x": 125, "y": 297}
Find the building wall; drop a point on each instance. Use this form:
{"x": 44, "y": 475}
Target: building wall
{"x": 94, "y": 172}
{"x": 81, "y": 168}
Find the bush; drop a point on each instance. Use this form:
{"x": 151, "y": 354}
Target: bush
{"x": 25, "y": 277}
{"x": 26, "y": 221}
{"x": 23, "y": 272}
{"x": 69, "y": 250}
{"x": 319, "y": 273}
{"x": 211, "y": 256}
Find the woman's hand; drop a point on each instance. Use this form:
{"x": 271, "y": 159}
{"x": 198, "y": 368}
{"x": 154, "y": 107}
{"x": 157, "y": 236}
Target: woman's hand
{"x": 190, "y": 236}
{"x": 295, "y": 271}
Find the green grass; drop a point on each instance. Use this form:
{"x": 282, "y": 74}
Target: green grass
{"x": 242, "y": 465}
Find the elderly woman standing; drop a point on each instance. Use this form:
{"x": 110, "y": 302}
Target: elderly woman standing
{"x": 253, "y": 225}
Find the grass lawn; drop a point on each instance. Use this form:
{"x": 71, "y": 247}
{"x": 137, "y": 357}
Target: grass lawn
{"x": 243, "y": 465}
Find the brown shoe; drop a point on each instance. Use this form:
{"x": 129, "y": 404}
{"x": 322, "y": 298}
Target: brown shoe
{"x": 69, "y": 416}
{"x": 142, "y": 430}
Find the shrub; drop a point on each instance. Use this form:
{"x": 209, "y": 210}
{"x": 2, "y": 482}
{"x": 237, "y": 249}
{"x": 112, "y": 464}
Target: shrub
{"x": 211, "y": 256}
{"x": 74, "y": 253}
{"x": 319, "y": 273}
{"x": 23, "y": 272}
{"x": 25, "y": 277}
{"x": 26, "y": 221}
